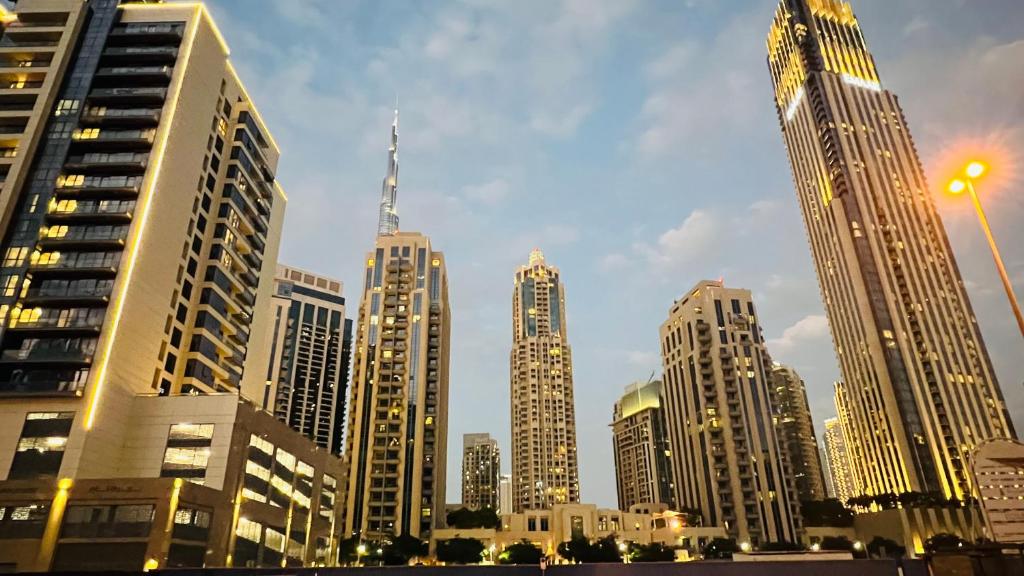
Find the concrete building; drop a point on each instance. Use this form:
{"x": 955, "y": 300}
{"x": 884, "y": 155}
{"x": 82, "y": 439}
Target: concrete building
{"x": 481, "y": 471}
{"x": 640, "y": 445}
{"x": 207, "y": 480}
{"x": 795, "y": 428}
{"x": 921, "y": 388}
{"x": 564, "y": 522}
{"x": 505, "y": 494}
{"x": 545, "y": 469}
{"x": 398, "y": 404}
{"x": 310, "y": 351}
{"x": 726, "y": 454}
{"x": 998, "y": 470}
{"x": 838, "y": 461}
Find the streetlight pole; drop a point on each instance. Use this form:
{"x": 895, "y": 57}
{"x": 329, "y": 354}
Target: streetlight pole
{"x": 995, "y": 255}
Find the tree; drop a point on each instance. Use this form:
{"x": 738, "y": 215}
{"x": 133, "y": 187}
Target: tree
{"x": 460, "y": 550}
{"x": 720, "y": 549}
{"x": 522, "y": 552}
{"x": 465, "y": 519}
{"x": 605, "y": 550}
{"x": 402, "y": 549}
{"x": 692, "y": 516}
{"x": 830, "y": 512}
{"x": 944, "y": 542}
{"x": 654, "y": 552}
{"x": 781, "y": 546}
{"x": 347, "y": 553}
{"x": 884, "y": 548}
{"x": 836, "y": 543}
{"x": 575, "y": 550}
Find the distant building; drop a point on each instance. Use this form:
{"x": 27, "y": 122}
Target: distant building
{"x": 545, "y": 468}
{"x": 998, "y": 470}
{"x": 838, "y": 461}
{"x": 795, "y": 428}
{"x": 640, "y": 445}
{"x": 505, "y": 494}
{"x": 921, "y": 391}
{"x": 310, "y": 348}
{"x": 481, "y": 472}
{"x": 725, "y": 449}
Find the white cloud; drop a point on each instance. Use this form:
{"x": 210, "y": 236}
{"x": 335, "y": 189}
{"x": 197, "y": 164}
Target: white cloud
{"x": 672, "y": 61}
{"x": 807, "y": 330}
{"x": 643, "y": 359}
{"x": 681, "y": 244}
{"x": 491, "y": 192}
{"x": 613, "y": 262}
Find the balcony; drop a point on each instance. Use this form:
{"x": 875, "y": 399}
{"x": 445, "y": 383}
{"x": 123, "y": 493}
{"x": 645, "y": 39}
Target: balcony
{"x": 69, "y": 268}
{"x": 146, "y": 34}
{"x": 132, "y": 74}
{"x": 92, "y": 211}
{"x": 55, "y": 327}
{"x": 140, "y": 95}
{"x": 67, "y": 296}
{"x": 121, "y": 116}
{"x": 165, "y": 54}
{"x": 125, "y": 162}
{"x": 47, "y": 356}
{"x": 119, "y": 139}
{"x": 96, "y": 237}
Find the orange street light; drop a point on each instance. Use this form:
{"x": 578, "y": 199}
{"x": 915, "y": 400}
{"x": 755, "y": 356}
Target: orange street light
{"x": 975, "y": 170}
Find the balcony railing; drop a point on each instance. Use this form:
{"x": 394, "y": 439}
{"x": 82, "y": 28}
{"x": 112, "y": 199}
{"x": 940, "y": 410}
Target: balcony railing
{"x": 126, "y": 161}
{"x": 142, "y": 53}
{"x": 122, "y": 116}
{"x": 147, "y": 94}
{"x": 48, "y": 355}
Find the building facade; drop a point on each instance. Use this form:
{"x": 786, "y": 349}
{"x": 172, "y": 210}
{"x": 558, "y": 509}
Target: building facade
{"x": 922, "y": 391}
{"x": 998, "y": 470}
{"x": 726, "y": 455}
{"x": 207, "y": 480}
{"x": 795, "y": 428}
{"x": 545, "y": 468}
{"x": 505, "y": 494}
{"x": 841, "y": 453}
{"x": 481, "y": 472}
{"x": 398, "y": 403}
{"x": 640, "y": 445}
{"x": 310, "y": 351}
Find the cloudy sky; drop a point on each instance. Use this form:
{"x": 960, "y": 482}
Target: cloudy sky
{"x": 635, "y": 142}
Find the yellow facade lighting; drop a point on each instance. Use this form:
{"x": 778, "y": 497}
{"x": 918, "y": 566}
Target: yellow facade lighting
{"x": 132, "y": 247}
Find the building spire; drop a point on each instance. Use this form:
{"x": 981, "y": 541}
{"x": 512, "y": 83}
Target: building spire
{"x": 387, "y": 223}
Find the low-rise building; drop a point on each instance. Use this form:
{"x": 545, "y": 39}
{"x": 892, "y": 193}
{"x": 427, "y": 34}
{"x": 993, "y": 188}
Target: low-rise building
{"x": 202, "y": 481}
{"x": 998, "y": 470}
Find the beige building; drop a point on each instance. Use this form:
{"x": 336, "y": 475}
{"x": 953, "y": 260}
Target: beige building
{"x": 563, "y": 522}
{"x": 310, "y": 345}
{"x": 545, "y": 469}
{"x": 207, "y": 480}
{"x": 795, "y": 428}
{"x": 481, "y": 472}
{"x": 398, "y": 404}
{"x": 922, "y": 392}
{"x": 998, "y": 470}
{"x": 726, "y": 454}
{"x": 640, "y": 445}
{"x": 837, "y": 461}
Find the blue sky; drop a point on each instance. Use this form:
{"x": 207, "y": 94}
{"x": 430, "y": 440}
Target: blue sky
{"x": 636, "y": 143}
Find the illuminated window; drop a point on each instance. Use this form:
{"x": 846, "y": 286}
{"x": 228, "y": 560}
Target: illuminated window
{"x": 85, "y": 134}
{"x": 44, "y": 436}
{"x": 188, "y": 452}
{"x": 70, "y": 180}
{"x": 65, "y": 107}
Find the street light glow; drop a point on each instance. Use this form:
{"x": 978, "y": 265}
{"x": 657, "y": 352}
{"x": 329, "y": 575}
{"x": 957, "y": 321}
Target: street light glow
{"x": 976, "y": 169}
{"x": 957, "y": 186}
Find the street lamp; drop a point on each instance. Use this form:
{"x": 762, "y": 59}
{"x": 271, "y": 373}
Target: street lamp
{"x": 360, "y": 552}
{"x": 973, "y": 171}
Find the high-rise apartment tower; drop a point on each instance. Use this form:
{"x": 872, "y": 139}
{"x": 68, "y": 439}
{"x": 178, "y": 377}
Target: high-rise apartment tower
{"x": 310, "y": 348}
{"x": 640, "y": 445}
{"x": 398, "y": 403}
{"x": 795, "y": 429}
{"x": 922, "y": 391}
{"x": 727, "y": 459}
{"x": 481, "y": 471}
{"x": 838, "y": 461}
{"x": 544, "y": 463}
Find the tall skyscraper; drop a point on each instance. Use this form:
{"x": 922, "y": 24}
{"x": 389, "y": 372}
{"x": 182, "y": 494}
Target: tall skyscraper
{"x": 922, "y": 392}
{"x": 481, "y": 471}
{"x": 140, "y": 225}
{"x": 387, "y": 222}
{"x": 310, "y": 350}
{"x": 727, "y": 459}
{"x": 544, "y": 463}
{"x": 795, "y": 429}
{"x": 640, "y": 445}
{"x": 398, "y": 407}
{"x": 838, "y": 461}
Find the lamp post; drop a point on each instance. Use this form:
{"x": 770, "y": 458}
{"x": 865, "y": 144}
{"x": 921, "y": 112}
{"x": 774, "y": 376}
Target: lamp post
{"x": 974, "y": 171}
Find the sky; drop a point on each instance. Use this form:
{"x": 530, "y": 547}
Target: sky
{"x": 636, "y": 143}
